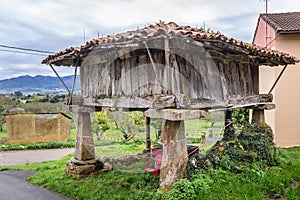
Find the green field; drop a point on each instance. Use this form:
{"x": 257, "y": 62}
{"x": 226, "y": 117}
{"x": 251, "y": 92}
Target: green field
{"x": 275, "y": 182}
{"x": 281, "y": 181}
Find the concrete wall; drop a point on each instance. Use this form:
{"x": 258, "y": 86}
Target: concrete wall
{"x": 284, "y": 120}
{"x": 34, "y": 128}
{"x": 287, "y": 95}
{"x": 260, "y": 35}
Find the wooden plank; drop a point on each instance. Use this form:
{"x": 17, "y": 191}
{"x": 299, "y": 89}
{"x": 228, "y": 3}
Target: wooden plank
{"x": 255, "y": 77}
{"x": 223, "y": 80}
{"x": 243, "y": 79}
{"x": 143, "y": 76}
{"x": 135, "y": 80}
{"x": 176, "y": 76}
{"x": 175, "y": 114}
{"x": 113, "y": 79}
{"x": 117, "y": 66}
{"x": 119, "y": 102}
{"x": 82, "y": 81}
{"x": 123, "y": 85}
{"x": 236, "y": 91}
{"x": 261, "y": 98}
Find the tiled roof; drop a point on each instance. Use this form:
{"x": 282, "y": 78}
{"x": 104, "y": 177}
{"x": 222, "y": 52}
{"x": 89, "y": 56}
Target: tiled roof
{"x": 68, "y": 56}
{"x": 283, "y": 22}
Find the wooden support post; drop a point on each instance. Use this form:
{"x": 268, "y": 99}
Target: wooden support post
{"x": 228, "y": 119}
{"x": 148, "y": 140}
{"x": 175, "y": 157}
{"x": 229, "y": 130}
{"x": 84, "y": 149}
{"x": 258, "y": 116}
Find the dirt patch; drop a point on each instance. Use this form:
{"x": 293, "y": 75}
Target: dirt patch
{"x": 294, "y": 184}
{"x": 272, "y": 196}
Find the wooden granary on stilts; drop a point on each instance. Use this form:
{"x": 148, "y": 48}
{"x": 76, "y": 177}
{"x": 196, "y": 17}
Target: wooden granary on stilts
{"x": 171, "y": 72}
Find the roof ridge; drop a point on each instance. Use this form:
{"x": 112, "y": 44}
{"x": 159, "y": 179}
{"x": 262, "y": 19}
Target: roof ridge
{"x": 167, "y": 29}
{"x": 283, "y": 22}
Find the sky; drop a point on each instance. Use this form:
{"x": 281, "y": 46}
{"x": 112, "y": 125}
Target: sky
{"x": 54, "y": 25}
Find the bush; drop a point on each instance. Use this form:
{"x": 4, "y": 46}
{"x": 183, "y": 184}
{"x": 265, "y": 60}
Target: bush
{"x": 103, "y": 120}
{"x": 240, "y": 152}
{"x": 182, "y": 189}
{"x": 138, "y": 118}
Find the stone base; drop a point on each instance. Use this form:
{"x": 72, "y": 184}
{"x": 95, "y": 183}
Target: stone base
{"x": 82, "y": 169}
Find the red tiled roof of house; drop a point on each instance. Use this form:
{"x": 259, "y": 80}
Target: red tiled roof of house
{"x": 283, "y": 22}
{"x": 68, "y": 56}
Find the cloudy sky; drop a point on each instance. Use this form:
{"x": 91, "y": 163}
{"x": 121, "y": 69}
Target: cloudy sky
{"x": 53, "y": 25}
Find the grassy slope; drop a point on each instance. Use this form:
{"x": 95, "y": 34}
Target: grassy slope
{"x": 255, "y": 184}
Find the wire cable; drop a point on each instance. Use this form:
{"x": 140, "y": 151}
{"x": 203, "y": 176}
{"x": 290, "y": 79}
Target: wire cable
{"x": 19, "y": 52}
{"x": 25, "y": 49}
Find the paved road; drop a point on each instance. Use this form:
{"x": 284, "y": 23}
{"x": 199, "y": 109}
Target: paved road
{"x": 12, "y": 183}
{"x": 10, "y": 158}
{"x": 14, "y": 187}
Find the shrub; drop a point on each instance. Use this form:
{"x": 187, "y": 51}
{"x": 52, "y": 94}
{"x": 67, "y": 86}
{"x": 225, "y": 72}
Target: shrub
{"x": 103, "y": 120}
{"x": 240, "y": 152}
{"x": 182, "y": 189}
{"x": 138, "y": 118}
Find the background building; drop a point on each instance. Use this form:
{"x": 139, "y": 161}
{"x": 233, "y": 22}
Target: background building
{"x": 281, "y": 31}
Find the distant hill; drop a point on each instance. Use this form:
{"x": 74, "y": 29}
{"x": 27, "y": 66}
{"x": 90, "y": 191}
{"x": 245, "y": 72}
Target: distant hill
{"x": 37, "y": 84}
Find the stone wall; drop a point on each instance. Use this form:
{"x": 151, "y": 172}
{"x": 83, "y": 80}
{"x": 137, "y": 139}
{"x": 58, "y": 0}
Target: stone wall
{"x": 34, "y": 128}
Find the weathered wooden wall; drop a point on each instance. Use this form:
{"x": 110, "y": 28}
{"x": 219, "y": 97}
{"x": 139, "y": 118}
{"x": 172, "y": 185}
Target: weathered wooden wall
{"x": 195, "y": 74}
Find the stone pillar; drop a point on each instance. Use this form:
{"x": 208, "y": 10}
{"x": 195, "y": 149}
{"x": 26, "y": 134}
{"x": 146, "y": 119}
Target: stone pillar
{"x": 84, "y": 149}
{"x": 258, "y": 116}
{"x": 148, "y": 139}
{"x": 84, "y": 162}
{"x": 175, "y": 157}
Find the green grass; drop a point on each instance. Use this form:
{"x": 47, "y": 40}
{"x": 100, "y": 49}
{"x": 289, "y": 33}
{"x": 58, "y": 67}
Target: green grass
{"x": 117, "y": 148}
{"x": 3, "y": 132}
{"x": 209, "y": 185}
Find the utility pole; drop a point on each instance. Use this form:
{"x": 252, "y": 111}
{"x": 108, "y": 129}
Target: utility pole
{"x": 266, "y": 1}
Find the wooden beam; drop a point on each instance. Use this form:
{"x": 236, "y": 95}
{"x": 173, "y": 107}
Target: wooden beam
{"x": 258, "y": 106}
{"x": 118, "y": 102}
{"x": 261, "y": 98}
{"x": 175, "y": 114}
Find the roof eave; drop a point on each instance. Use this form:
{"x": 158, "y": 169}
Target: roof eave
{"x": 288, "y": 31}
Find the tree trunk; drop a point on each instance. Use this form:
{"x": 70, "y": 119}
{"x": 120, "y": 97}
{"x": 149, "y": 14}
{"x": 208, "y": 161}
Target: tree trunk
{"x": 175, "y": 157}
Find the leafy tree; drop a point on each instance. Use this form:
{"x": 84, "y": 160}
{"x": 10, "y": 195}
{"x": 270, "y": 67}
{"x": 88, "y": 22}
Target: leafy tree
{"x": 214, "y": 117}
{"x": 123, "y": 122}
{"x": 18, "y": 94}
{"x": 6, "y": 104}
{"x": 157, "y": 125}
{"x": 138, "y": 118}
{"x": 103, "y": 120}
{"x": 100, "y": 123}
